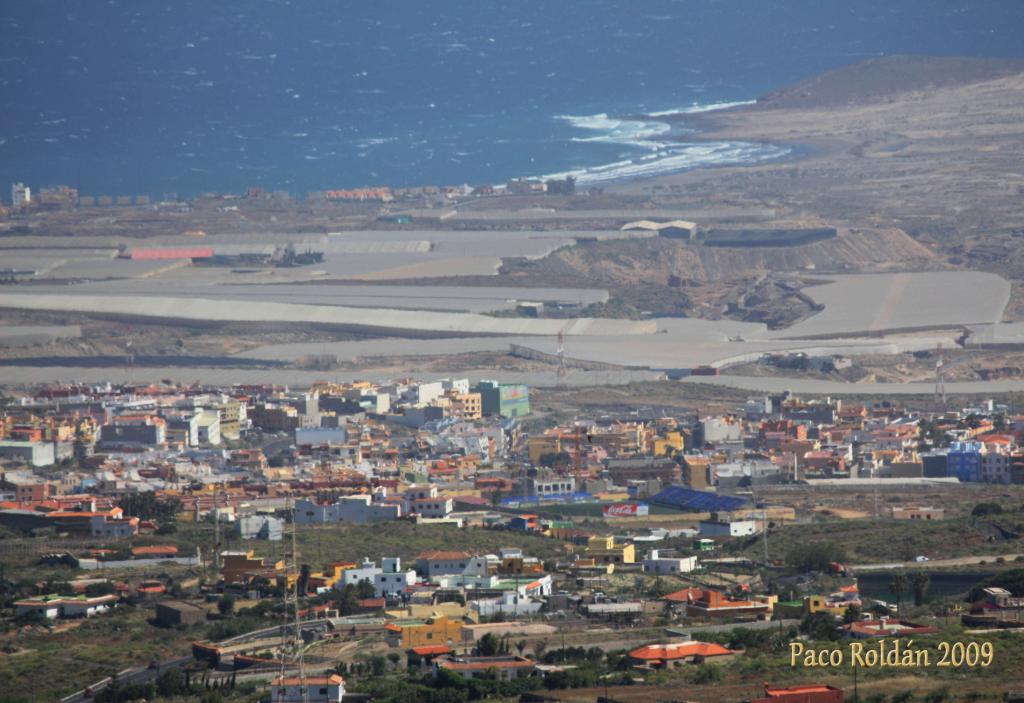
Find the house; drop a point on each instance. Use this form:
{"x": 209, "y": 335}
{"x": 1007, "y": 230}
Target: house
{"x": 422, "y": 657}
{"x": 53, "y": 606}
{"x": 668, "y": 656}
{"x": 806, "y": 693}
{"x": 917, "y": 513}
{"x": 887, "y": 627}
{"x": 603, "y": 550}
{"x": 656, "y": 564}
{"x": 504, "y": 668}
{"x": 360, "y": 509}
{"x": 310, "y": 689}
{"x": 709, "y": 603}
{"x": 998, "y": 608}
{"x": 723, "y": 526}
{"x": 240, "y": 567}
{"x": 392, "y": 580}
{"x": 174, "y": 613}
{"x": 437, "y": 629}
{"x": 440, "y": 563}
{"x": 265, "y": 527}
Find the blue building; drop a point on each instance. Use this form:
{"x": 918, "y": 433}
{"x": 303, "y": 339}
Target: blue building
{"x": 963, "y": 461}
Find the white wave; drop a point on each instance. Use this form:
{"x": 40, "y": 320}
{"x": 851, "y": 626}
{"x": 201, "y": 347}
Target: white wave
{"x": 635, "y": 133}
{"x": 679, "y": 158}
{"x": 661, "y": 155}
{"x": 694, "y": 109}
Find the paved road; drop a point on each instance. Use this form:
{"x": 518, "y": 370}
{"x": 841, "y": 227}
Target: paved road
{"x": 132, "y": 676}
{"x": 933, "y": 563}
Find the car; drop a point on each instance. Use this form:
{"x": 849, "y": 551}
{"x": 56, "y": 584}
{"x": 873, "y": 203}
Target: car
{"x": 920, "y": 559}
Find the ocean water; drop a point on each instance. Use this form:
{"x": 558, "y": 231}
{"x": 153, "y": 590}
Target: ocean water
{"x": 140, "y": 96}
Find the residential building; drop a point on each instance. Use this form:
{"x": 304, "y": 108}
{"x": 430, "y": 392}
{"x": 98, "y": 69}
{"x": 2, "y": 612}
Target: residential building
{"x": 668, "y": 656}
{"x": 907, "y": 512}
{"x": 963, "y": 460}
{"x": 709, "y": 603}
{"x": 53, "y": 607}
{"x": 802, "y": 693}
{"x": 310, "y": 689}
{"x": 440, "y": 563}
{"x": 505, "y": 668}
{"x": 33, "y": 453}
{"x": 359, "y": 509}
{"x": 260, "y": 527}
{"x": 603, "y": 550}
{"x": 438, "y": 629}
{"x": 656, "y": 564}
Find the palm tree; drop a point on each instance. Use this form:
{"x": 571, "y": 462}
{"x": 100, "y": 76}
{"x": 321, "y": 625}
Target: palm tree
{"x": 898, "y": 585}
{"x": 919, "y": 584}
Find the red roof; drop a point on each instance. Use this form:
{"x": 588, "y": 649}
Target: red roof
{"x": 155, "y": 549}
{"x": 680, "y": 650}
{"x": 308, "y": 681}
{"x": 431, "y": 649}
{"x": 685, "y": 596}
{"x": 775, "y": 691}
{"x": 191, "y": 253}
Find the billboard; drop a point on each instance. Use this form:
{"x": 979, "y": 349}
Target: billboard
{"x": 626, "y": 510}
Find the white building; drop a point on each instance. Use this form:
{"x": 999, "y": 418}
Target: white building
{"x": 367, "y": 571}
{"x": 53, "y": 607}
{"x": 721, "y": 429}
{"x": 320, "y": 436}
{"x": 656, "y": 564}
{"x": 21, "y": 195}
{"x": 392, "y": 580}
{"x": 208, "y": 427}
{"x": 311, "y": 689}
{"x": 260, "y": 527}
{"x": 34, "y": 453}
{"x": 728, "y": 528}
{"x": 509, "y": 603}
{"x": 432, "y": 507}
{"x": 359, "y": 509}
{"x": 440, "y": 563}
{"x": 995, "y": 467}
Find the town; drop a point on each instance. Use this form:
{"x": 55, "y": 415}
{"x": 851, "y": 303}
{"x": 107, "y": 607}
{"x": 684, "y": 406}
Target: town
{"x": 434, "y": 540}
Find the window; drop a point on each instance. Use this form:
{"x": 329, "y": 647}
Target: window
{"x": 323, "y": 691}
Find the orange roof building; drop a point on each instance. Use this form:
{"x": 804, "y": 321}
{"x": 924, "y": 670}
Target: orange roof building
{"x": 662, "y": 656}
{"x": 807, "y": 693}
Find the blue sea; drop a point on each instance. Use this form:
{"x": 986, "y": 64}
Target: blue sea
{"x": 140, "y": 96}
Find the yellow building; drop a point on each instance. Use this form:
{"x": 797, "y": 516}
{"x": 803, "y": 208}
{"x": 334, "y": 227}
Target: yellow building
{"x": 671, "y": 442}
{"x": 437, "y": 629}
{"x": 548, "y": 443}
{"x": 231, "y": 413}
{"x": 603, "y": 550}
{"x": 468, "y": 406}
{"x": 239, "y": 567}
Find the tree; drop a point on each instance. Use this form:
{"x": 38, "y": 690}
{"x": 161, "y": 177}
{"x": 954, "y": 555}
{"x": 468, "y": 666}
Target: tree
{"x": 898, "y": 586}
{"x": 815, "y": 557}
{"x": 983, "y": 509}
{"x": 819, "y": 626}
{"x": 919, "y": 581}
{"x": 365, "y": 589}
{"x": 539, "y": 647}
{"x": 521, "y": 646}
{"x": 302, "y": 585}
{"x": 851, "y": 614}
{"x": 104, "y": 588}
{"x": 488, "y": 646}
{"x": 226, "y": 604}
